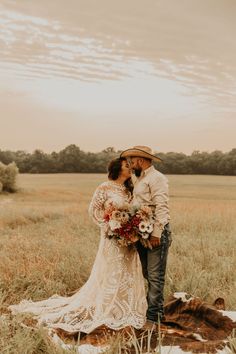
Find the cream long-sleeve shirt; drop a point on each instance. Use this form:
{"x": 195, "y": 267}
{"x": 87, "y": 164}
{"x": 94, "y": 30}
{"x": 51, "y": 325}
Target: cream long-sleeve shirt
{"x": 151, "y": 188}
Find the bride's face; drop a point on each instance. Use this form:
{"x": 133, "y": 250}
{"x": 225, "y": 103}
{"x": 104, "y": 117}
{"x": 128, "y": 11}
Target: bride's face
{"x": 125, "y": 170}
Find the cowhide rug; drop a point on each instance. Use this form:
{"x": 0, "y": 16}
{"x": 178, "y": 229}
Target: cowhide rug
{"x": 190, "y": 323}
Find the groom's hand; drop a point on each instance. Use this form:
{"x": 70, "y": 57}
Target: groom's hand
{"x": 155, "y": 241}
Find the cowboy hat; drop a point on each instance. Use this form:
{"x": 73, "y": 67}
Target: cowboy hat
{"x": 140, "y": 151}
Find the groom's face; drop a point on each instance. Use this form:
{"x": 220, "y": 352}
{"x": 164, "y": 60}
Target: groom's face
{"x": 136, "y": 166}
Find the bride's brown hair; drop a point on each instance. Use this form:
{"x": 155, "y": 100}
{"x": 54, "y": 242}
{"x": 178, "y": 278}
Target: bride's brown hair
{"x": 114, "y": 170}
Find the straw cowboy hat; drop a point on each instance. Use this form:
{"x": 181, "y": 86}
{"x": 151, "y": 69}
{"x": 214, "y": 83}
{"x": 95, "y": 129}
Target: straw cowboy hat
{"x": 140, "y": 151}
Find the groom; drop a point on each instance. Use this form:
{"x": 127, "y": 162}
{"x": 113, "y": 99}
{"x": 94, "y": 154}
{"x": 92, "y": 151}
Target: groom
{"x": 151, "y": 188}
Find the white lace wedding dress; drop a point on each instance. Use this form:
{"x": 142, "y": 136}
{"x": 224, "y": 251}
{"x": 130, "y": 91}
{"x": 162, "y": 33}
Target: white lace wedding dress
{"x": 114, "y": 294}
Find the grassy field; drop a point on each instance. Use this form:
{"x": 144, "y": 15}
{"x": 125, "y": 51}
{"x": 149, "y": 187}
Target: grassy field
{"x": 48, "y": 243}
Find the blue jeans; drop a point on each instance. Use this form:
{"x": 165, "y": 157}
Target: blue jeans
{"x": 154, "y": 269}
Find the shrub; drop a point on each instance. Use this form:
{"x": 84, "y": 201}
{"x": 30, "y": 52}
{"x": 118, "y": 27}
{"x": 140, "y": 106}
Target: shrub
{"x": 8, "y": 174}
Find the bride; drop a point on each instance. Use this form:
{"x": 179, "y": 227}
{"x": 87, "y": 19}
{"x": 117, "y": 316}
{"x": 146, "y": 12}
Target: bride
{"x": 114, "y": 294}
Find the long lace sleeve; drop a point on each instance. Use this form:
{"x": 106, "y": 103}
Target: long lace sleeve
{"x": 96, "y": 207}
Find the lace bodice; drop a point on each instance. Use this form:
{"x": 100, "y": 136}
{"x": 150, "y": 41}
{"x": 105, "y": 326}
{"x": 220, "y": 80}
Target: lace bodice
{"x": 108, "y": 192}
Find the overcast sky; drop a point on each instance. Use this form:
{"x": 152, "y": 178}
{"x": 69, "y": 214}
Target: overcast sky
{"x": 118, "y": 73}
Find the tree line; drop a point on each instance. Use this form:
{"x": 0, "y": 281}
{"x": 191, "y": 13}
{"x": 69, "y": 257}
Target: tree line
{"x": 73, "y": 160}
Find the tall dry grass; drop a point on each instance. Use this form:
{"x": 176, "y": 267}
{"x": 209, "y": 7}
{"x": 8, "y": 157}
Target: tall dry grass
{"x": 48, "y": 244}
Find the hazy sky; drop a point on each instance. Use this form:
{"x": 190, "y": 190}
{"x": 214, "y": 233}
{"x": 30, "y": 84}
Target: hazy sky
{"x": 118, "y": 73}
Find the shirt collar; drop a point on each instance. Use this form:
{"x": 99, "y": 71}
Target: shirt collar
{"x": 148, "y": 170}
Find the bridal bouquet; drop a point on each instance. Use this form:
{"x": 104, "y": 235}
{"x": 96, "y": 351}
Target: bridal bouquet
{"x": 143, "y": 222}
{"x": 127, "y": 224}
{"x": 119, "y": 224}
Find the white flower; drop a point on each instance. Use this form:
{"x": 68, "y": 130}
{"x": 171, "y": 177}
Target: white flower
{"x": 124, "y": 216}
{"x": 149, "y": 228}
{"x": 114, "y": 224}
{"x": 145, "y": 236}
{"x": 143, "y": 226}
{"x": 116, "y": 215}
{"x": 110, "y": 232}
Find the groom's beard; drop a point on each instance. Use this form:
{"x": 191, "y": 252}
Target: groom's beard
{"x": 137, "y": 172}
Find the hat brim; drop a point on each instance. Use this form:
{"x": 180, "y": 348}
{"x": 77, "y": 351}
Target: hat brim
{"x": 139, "y": 153}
